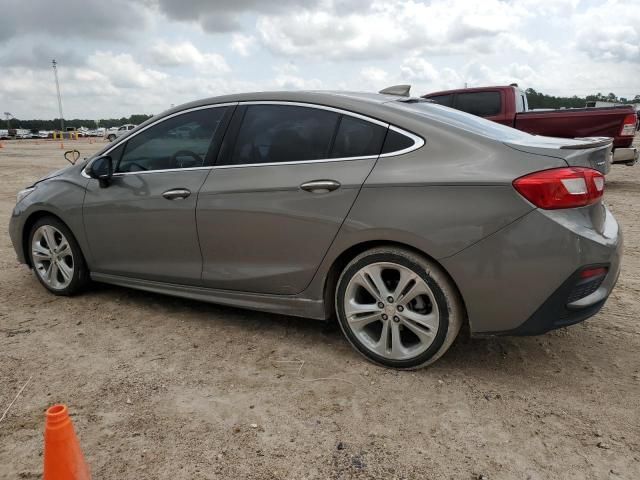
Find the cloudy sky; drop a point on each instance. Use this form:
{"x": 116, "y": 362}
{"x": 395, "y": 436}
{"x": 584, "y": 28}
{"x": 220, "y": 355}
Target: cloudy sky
{"x": 120, "y": 57}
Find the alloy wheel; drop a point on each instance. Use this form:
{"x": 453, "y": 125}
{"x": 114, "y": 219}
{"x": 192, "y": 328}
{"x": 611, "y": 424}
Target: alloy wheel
{"x": 52, "y": 257}
{"x": 391, "y": 310}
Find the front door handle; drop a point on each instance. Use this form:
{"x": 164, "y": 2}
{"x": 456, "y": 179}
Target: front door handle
{"x": 320, "y": 186}
{"x": 176, "y": 194}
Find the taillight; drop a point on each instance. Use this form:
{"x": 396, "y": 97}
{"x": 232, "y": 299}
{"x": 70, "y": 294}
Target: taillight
{"x": 629, "y": 125}
{"x": 561, "y": 187}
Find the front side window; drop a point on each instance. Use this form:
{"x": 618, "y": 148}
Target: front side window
{"x": 482, "y": 104}
{"x": 283, "y": 133}
{"x": 182, "y": 141}
{"x": 357, "y": 138}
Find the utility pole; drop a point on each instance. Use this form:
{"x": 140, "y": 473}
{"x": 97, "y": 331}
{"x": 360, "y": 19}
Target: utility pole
{"x": 8, "y": 115}
{"x": 55, "y": 74}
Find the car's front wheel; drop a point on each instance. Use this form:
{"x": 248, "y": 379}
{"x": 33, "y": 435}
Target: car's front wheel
{"x": 111, "y": 138}
{"x": 397, "y": 308}
{"x": 56, "y": 257}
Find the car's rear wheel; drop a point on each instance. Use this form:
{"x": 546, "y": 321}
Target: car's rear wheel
{"x": 111, "y": 138}
{"x": 56, "y": 257}
{"x": 397, "y": 308}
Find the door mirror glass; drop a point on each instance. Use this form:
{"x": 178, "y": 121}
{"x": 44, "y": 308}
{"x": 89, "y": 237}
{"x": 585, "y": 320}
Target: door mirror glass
{"x": 101, "y": 169}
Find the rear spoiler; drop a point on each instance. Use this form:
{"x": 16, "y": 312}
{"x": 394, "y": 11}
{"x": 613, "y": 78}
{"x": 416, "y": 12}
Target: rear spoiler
{"x": 588, "y": 142}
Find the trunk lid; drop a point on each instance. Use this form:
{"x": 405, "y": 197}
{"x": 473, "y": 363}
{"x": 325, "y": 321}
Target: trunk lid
{"x": 591, "y": 152}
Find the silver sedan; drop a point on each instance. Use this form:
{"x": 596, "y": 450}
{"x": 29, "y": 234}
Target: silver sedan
{"x": 403, "y": 219}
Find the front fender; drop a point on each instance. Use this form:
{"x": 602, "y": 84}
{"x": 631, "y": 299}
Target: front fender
{"x": 59, "y": 196}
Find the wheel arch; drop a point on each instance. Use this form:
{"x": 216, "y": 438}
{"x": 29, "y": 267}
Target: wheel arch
{"x": 341, "y": 261}
{"x": 28, "y": 224}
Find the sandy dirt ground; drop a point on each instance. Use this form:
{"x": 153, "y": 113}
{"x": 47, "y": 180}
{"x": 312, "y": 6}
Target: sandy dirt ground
{"x": 164, "y": 388}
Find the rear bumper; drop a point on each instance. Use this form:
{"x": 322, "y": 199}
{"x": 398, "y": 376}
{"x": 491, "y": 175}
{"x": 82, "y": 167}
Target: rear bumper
{"x": 522, "y": 279}
{"x": 625, "y": 155}
{"x": 558, "y": 311}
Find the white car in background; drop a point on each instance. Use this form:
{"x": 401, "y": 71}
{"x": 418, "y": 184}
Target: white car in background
{"x": 113, "y": 134}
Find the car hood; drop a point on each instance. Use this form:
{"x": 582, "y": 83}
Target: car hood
{"x": 53, "y": 174}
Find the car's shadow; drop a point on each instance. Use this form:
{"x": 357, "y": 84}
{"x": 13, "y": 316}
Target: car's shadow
{"x": 468, "y": 355}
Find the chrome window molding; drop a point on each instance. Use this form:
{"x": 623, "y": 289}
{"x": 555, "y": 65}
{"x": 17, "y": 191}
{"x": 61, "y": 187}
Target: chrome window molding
{"x": 297, "y": 162}
{"x": 319, "y": 107}
{"x": 418, "y": 142}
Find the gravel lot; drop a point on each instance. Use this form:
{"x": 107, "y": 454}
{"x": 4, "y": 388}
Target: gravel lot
{"x": 164, "y": 388}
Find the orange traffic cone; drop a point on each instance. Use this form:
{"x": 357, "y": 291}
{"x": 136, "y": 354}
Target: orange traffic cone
{"x": 61, "y": 145}
{"x": 63, "y": 459}
{"x": 1, "y": 146}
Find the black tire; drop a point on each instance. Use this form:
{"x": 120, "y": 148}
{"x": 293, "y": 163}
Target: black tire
{"x": 111, "y": 138}
{"x": 80, "y": 276}
{"x": 451, "y": 313}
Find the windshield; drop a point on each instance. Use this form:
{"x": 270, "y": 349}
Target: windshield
{"x": 463, "y": 120}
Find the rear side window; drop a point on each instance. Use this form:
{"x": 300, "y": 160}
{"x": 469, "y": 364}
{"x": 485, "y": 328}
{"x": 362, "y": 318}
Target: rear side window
{"x": 446, "y": 100}
{"x": 182, "y": 141}
{"x": 357, "y": 138}
{"x": 482, "y": 104}
{"x": 284, "y": 133}
{"x": 395, "y": 142}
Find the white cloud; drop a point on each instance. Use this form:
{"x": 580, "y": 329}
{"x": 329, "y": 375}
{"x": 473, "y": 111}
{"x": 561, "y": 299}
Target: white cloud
{"x": 611, "y": 31}
{"x": 242, "y": 44}
{"x": 123, "y": 71}
{"x": 288, "y": 78}
{"x": 185, "y": 53}
{"x": 388, "y": 27}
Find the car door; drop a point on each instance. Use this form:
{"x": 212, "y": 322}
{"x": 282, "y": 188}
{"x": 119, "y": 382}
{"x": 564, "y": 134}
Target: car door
{"x": 286, "y": 178}
{"x": 142, "y": 224}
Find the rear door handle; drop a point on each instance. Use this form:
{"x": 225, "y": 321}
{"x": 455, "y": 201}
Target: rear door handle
{"x": 320, "y": 186}
{"x": 176, "y": 194}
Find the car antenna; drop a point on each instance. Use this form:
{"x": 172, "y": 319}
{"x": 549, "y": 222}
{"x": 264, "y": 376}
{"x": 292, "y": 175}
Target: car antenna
{"x": 399, "y": 90}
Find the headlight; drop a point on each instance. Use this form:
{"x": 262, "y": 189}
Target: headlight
{"x": 24, "y": 193}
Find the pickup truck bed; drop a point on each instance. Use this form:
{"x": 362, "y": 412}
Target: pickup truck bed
{"x": 508, "y": 106}
{"x": 576, "y": 122}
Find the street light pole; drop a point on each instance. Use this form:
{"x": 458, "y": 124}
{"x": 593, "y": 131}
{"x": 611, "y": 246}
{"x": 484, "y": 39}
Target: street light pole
{"x": 55, "y": 74}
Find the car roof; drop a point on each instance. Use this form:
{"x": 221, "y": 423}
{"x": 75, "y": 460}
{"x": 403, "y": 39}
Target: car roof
{"x": 338, "y": 99}
{"x": 394, "y": 110}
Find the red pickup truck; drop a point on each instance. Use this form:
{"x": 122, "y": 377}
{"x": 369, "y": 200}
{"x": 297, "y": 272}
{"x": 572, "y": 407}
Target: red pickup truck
{"x": 508, "y": 105}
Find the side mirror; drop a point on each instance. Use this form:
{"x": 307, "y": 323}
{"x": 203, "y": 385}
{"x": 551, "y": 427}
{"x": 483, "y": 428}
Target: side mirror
{"x": 102, "y": 170}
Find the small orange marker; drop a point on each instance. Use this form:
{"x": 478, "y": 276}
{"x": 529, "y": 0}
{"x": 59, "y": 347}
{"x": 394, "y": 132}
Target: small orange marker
{"x": 63, "y": 458}
{"x": 61, "y": 145}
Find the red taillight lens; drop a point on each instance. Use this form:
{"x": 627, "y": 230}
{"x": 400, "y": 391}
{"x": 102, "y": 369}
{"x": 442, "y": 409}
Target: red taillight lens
{"x": 593, "y": 272}
{"x": 629, "y": 125}
{"x": 561, "y": 187}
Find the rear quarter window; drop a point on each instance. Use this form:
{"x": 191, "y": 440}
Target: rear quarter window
{"x": 357, "y": 138}
{"x": 482, "y": 104}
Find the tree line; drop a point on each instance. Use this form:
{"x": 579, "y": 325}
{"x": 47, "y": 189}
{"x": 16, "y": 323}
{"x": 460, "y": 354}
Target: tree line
{"x": 535, "y": 99}
{"x": 75, "y": 123}
{"x": 541, "y": 100}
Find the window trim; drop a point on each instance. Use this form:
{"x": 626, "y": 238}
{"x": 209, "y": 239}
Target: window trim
{"x": 419, "y": 142}
{"x": 160, "y": 120}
